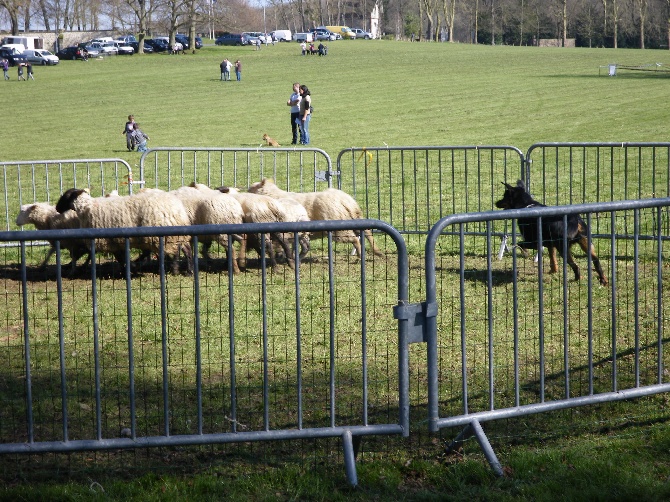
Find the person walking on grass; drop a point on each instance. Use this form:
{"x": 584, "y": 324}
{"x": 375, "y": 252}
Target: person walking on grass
{"x": 29, "y": 67}
{"x": 5, "y": 68}
{"x": 139, "y": 138}
{"x": 238, "y": 70}
{"x": 19, "y": 69}
{"x": 128, "y": 131}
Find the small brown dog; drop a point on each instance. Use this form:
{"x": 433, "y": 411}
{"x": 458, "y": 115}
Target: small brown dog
{"x": 270, "y": 141}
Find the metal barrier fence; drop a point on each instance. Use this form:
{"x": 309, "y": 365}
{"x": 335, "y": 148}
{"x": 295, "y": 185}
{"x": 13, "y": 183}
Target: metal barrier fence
{"x": 297, "y": 168}
{"x": 577, "y": 173}
{"x": 95, "y": 363}
{"x": 25, "y": 182}
{"x": 413, "y": 187}
{"x": 505, "y": 340}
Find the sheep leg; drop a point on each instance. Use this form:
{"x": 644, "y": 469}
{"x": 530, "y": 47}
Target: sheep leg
{"x": 375, "y": 249}
{"x": 304, "y": 246}
{"x": 230, "y": 251}
{"x": 242, "y": 254}
{"x": 287, "y": 249}
{"x": 52, "y": 250}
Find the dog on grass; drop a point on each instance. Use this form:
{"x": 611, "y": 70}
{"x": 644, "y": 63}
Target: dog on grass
{"x": 553, "y": 231}
{"x": 270, "y": 141}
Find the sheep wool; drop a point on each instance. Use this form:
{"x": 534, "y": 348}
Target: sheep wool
{"x": 205, "y": 206}
{"x": 330, "y": 204}
{"x": 152, "y": 208}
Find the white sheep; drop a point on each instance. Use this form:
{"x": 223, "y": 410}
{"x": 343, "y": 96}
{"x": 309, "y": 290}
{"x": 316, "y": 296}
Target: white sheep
{"x": 45, "y": 217}
{"x": 260, "y": 209}
{"x": 211, "y": 207}
{"x": 153, "y": 208}
{"x": 330, "y": 204}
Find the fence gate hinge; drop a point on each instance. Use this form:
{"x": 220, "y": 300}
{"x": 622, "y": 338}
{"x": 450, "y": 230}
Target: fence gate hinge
{"x": 416, "y": 314}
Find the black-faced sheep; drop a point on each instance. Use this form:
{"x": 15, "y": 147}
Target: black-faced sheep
{"x": 45, "y": 217}
{"x": 153, "y": 208}
{"x": 330, "y": 204}
{"x": 211, "y": 207}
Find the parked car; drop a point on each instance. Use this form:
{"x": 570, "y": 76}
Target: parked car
{"x": 41, "y": 56}
{"x": 12, "y": 56}
{"x": 73, "y": 52}
{"x": 265, "y": 38}
{"x": 92, "y": 52}
{"x": 186, "y": 42}
{"x": 250, "y": 39}
{"x": 323, "y": 34}
{"x": 128, "y": 39}
{"x": 148, "y": 49}
{"x": 123, "y": 48}
{"x": 362, "y": 34}
{"x": 107, "y": 48}
{"x": 230, "y": 39}
{"x": 158, "y": 45}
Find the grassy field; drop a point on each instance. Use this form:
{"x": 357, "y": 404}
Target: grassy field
{"x": 365, "y": 93}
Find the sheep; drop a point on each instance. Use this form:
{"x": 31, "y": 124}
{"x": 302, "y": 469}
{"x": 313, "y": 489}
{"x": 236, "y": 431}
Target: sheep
{"x": 153, "y": 208}
{"x": 330, "y": 204}
{"x": 45, "y": 217}
{"x": 294, "y": 211}
{"x": 211, "y": 207}
{"x": 260, "y": 209}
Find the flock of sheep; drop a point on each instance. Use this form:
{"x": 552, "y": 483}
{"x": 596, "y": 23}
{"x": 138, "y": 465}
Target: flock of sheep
{"x": 195, "y": 204}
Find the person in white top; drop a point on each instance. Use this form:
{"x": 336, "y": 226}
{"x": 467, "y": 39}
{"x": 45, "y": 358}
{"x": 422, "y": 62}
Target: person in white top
{"x": 294, "y": 103}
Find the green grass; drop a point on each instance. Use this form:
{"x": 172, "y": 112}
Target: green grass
{"x": 365, "y": 94}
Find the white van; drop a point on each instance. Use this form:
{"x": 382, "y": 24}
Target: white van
{"x": 41, "y": 56}
{"x": 303, "y": 37}
{"x": 282, "y": 35}
{"x": 15, "y": 48}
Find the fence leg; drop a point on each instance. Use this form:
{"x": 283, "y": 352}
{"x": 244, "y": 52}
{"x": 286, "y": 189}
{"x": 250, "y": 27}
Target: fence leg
{"x": 350, "y": 458}
{"x": 474, "y": 428}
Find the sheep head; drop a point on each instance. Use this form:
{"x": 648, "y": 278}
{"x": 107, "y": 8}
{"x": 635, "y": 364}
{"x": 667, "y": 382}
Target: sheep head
{"x": 68, "y": 198}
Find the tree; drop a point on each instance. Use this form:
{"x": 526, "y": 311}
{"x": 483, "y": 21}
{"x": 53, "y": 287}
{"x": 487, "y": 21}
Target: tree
{"x": 642, "y": 17}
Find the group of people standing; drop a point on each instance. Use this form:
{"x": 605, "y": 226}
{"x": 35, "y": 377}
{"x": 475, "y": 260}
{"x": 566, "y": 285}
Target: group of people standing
{"x": 226, "y": 67}
{"x": 20, "y": 68}
{"x": 135, "y": 138}
{"x": 301, "y": 113}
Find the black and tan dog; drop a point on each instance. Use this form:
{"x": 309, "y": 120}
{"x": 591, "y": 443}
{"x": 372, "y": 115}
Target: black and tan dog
{"x": 517, "y": 197}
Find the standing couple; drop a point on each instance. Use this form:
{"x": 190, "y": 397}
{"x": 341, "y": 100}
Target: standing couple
{"x": 301, "y": 113}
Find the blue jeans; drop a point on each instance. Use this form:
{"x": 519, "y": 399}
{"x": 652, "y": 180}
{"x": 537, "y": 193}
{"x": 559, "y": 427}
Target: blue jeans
{"x": 304, "y": 129}
{"x": 238, "y": 74}
{"x": 142, "y": 147}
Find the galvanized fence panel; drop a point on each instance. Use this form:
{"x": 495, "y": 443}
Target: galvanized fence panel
{"x": 298, "y": 168}
{"x": 107, "y": 359}
{"x": 28, "y": 181}
{"x": 413, "y": 187}
{"x": 577, "y": 173}
{"x": 507, "y": 339}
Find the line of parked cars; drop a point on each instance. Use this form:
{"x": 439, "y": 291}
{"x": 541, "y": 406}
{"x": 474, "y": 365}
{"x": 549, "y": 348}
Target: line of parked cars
{"x": 126, "y": 44}
{"x": 247, "y": 38}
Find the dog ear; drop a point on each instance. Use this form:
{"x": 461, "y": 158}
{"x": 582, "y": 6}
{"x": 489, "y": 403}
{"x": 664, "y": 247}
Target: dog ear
{"x": 507, "y": 185}
{"x": 521, "y": 184}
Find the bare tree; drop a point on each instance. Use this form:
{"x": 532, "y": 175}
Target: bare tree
{"x": 641, "y": 6}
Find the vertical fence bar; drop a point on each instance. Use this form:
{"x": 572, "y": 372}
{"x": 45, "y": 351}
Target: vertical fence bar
{"x": 61, "y": 342}
{"x": 26, "y": 346}
{"x": 131, "y": 342}
{"x": 331, "y": 336}
{"x": 198, "y": 332}
{"x": 614, "y": 301}
{"x": 165, "y": 346}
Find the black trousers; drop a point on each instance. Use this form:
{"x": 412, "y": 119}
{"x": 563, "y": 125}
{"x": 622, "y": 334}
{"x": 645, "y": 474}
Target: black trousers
{"x": 294, "y": 126}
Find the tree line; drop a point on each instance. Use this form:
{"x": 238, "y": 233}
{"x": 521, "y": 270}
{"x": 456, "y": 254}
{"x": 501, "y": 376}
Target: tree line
{"x": 591, "y": 23}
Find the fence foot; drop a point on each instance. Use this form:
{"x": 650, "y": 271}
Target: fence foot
{"x": 350, "y": 457}
{"x": 474, "y": 428}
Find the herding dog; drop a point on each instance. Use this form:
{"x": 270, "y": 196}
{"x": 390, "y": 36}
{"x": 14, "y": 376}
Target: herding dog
{"x": 517, "y": 197}
{"x": 270, "y": 141}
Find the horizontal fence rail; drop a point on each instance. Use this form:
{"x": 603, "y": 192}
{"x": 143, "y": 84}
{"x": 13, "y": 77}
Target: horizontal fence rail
{"x": 157, "y": 359}
{"x": 29, "y": 181}
{"x": 301, "y": 168}
{"x": 507, "y": 339}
